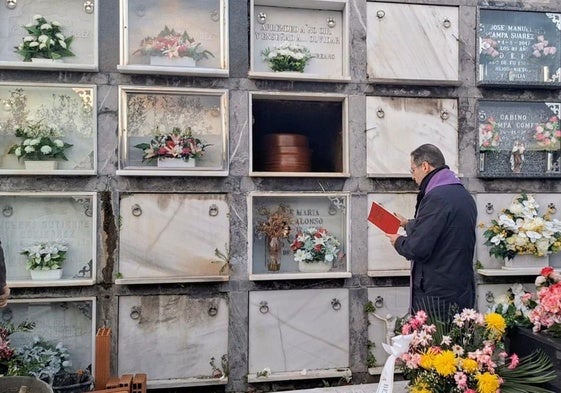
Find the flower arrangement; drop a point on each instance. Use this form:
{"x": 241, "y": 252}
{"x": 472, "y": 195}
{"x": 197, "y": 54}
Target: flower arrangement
{"x": 520, "y": 230}
{"x": 315, "y": 245}
{"x": 467, "y": 356}
{"x": 45, "y": 256}
{"x": 39, "y": 143}
{"x": 542, "y": 51}
{"x": 7, "y": 353}
{"x": 546, "y": 313}
{"x": 548, "y": 134}
{"x": 287, "y": 57}
{"x": 44, "y": 40}
{"x": 172, "y": 44}
{"x": 515, "y": 306}
{"x": 175, "y": 144}
{"x": 277, "y": 222}
{"x": 489, "y": 135}
{"x": 488, "y": 50}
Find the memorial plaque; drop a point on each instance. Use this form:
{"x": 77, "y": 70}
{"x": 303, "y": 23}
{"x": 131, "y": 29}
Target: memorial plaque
{"x": 299, "y": 29}
{"x": 77, "y": 19}
{"x": 276, "y": 221}
{"x": 63, "y": 113}
{"x": 519, "y": 139}
{"x": 161, "y": 128}
{"x": 70, "y": 219}
{"x": 298, "y": 331}
{"x": 174, "y": 37}
{"x": 519, "y": 48}
{"x": 175, "y": 339}
{"x": 70, "y": 322}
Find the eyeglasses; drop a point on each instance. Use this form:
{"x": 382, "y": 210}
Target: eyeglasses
{"x": 412, "y": 170}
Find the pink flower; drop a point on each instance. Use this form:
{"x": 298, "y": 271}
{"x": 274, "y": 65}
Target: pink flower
{"x": 514, "y": 360}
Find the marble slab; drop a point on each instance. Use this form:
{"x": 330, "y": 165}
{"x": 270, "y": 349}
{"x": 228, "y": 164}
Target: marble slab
{"x": 172, "y": 337}
{"x": 489, "y": 294}
{"x": 28, "y": 219}
{"x": 381, "y": 254}
{"x": 298, "y": 330}
{"x": 75, "y": 22}
{"x": 391, "y": 303}
{"x": 398, "y": 387}
{"x": 426, "y": 50}
{"x": 395, "y": 126}
{"x": 68, "y": 321}
{"x": 173, "y": 236}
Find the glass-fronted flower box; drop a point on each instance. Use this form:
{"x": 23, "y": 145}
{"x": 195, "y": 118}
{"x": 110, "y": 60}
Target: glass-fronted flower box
{"x": 519, "y": 48}
{"x": 169, "y": 238}
{"x": 70, "y": 26}
{"x": 300, "y": 39}
{"x": 299, "y": 134}
{"x": 298, "y": 235}
{"x": 59, "y": 329}
{"x": 181, "y": 37}
{"x": 519, "y": 139}
{"x": 49, "y": 231}
{"x": 48, "y": 129}
{"x": 173, "y": 132}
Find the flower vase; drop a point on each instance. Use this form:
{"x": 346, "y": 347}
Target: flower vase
{"x": 173, "y": 61}
{"x": 544, "y": 74}
{"x": 165, "y": 162}
{"x": 45, "y": 275}
{"x": 41, "y": 165}
{"x": 526, "y": 262}
{"x": 273, "y": 253}
{"x": 314, "y": 266}
{"x": 482, "y": 72}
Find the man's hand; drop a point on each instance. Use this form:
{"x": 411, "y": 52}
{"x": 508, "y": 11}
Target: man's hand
{"x": 393, "y": 237}
{"x": 4, "y": 297}
{"x": 402, "y": 220}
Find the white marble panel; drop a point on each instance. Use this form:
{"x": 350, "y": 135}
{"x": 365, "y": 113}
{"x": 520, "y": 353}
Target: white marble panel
{"x": 427, "y": 49}
{"x": 68, "y": 321}
{"x": 391, "y": 303}
{"x": 488, "y": 294}
{"x": 381, "y": 254}
{"x": 172, "y": 235}
{"x": 395, "y": 126}
{"x": 294, "y": 330}
{"x": 28, "y": 219}
{"x": 497, "y": 202}
{"x": 171, "y": 337}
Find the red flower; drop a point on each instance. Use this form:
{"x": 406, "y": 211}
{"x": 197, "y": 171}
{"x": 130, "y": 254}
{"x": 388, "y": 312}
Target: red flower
{"x": 546, "y": 271}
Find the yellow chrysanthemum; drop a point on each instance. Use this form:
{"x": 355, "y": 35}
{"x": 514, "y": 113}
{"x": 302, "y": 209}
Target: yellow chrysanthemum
{"x": 495, "y": 324}
{"x": 469, "y": 365}
{"x": 427, "y": 358}
{"x": 487, "y": 383}
{"x": 421, "y": 387}
{"x": 445, "y": 363}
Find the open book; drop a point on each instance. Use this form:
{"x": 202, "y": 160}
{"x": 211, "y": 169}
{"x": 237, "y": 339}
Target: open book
{"x": 383, "y": 219}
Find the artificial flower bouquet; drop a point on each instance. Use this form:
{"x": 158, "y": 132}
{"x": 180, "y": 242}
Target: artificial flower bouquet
{"x": 489, "y": 135}
{"x": 39, "y": 143}
{"x": 277, "y": 222}
{"x": 546, "y": 311}
{"x": 542, "y": 51}
{"x": 489, "y": 50}
{"x": 44, "y": 40}
{"x": 172, "y": 44}
{"x": 315, "y": 245}
{"x": 467, "y": 355}
{"x": 45, "y": 255}
{"x": 519, "y": 229}
{"x": 515, "y": 306}
{"x": 548, "y": 135}
{"x": 287, "y": 57}
{"x": 178, "y": 143}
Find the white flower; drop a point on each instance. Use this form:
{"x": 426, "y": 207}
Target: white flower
{"x": 60, "y": 36}
{"x": 37, "y": 17}
{"x": 42, "y": 45}
{"x": 34, "y": 44}
{"x": 46, "y": 149}
{"x": 29, "y": 149}
{"x": 18, "y": 152}
{"x": 28, "y": 38}
{"x": 35, "y": 142}
{"x": 58, "y": 143}
{"x": 46, "y": 26}
{"x": 55, "y": 23}
{"x": 42, "y": 38}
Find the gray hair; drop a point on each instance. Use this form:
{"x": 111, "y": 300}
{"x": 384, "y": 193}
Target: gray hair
{"x": 429, "y": 153}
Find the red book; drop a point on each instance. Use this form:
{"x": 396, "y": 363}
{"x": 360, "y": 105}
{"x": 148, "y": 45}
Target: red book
{"x": 383, "y": 219}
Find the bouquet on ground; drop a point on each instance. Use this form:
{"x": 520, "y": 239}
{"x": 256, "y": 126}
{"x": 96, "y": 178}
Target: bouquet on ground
{"x": 44, "y": 40}
{"x": 39, "y": 143}
{"x": 7, "y": 352}
{"x": 519, "y": 229}
{"x": 315, "y": 245}
{"x": 45, "y": 255}
{"x": 172, "y": 44}
{"x": 548, "y": 135}
{"x": 467, "y": 355}
{"x": 489, "y": 135}
{"x": 287, "y": 57}
{"x": 175, "y": 144}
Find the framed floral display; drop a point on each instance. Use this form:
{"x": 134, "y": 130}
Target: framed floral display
{"x": 300, "y": 39}
{"x": 298, "y": 235}
{"x": 48, "y": 129}
{"x": 49, "y": 239}
{"x": 49, "y": 34}
{"x": 173, "y": 132}
{"x": 188, "y": 37}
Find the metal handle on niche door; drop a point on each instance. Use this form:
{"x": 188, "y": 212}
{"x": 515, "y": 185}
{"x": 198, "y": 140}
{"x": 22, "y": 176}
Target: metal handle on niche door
{"x": 489, "y": 208}
{"x": 446, "y": 23}
{"x": 551, "y": 208}
{"x": 335, "y": 304}
{"x": 136, "y": 210}
{"x": 213, "y": 210}
{"x": 379, "y": 302}
{"x": 89, "y": 6}
{"x": 136, "y": 313}
{"x": 212, "y": 311}
{"x": 444, "y": 115}
{"x": 7, "y": 211}
{"x": 263, "y": 307}
{"x": 490, "y": 297}
{"x": 11, "y": 4}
